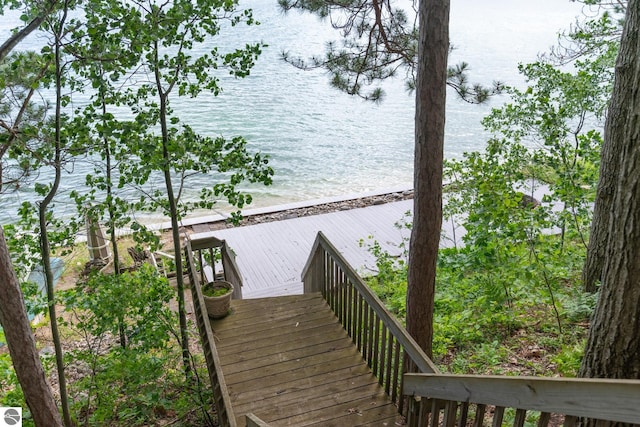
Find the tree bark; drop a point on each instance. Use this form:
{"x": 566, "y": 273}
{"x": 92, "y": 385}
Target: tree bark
{"x": 427, "y": 203}
{"x": 609, "y": 170}
{"x": 22, "y": 346}
{"x": 613, "y": 344}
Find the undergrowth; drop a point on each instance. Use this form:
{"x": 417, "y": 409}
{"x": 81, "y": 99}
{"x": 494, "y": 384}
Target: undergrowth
{"x": 123, "y": 366}
{"x": 505, "y": 315}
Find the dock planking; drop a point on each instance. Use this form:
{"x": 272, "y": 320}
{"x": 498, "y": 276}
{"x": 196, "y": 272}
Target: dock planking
{"x": 290, "y": 362}
{"x": 271, "y": 255}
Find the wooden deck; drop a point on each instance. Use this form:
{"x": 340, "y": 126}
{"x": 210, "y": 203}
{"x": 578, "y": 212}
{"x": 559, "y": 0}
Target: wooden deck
{"x": 290, "y": 362}
{"x": 271, "y": 255}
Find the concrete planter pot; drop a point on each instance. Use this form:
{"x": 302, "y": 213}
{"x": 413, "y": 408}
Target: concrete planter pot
{"x": 217, "y": 298}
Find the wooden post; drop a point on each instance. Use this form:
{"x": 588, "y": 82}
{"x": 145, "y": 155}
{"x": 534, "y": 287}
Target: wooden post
{"x": 313, "y": 274}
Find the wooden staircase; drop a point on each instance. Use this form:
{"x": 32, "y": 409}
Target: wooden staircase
{"x": 291, "y": 363}
{"x": 335, "y": 356}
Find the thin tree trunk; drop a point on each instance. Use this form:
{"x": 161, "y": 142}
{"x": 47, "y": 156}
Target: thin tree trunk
{"x": 111, "y": 209}
{"x": 177, "y": 248}
{"x": 22, "y": 346}
{"x": 613, "y": 344}
{"x": 175, "y": 231}
{"x": 427, "y": 202}
{"x": 45, "y": 247}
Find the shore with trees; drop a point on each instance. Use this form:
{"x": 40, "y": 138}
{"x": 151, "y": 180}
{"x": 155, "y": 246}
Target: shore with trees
{"x": 512, "y": 277}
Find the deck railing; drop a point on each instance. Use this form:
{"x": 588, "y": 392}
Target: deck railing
{"x": 381, "y": 339}
{"x": 473, "y": 400}
{"x": 215, "y": 260}
{"x": 221, "y": 399}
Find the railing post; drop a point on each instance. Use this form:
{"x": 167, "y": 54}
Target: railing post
{"x": 313, "y": 278}
{"x": 231, "y": 270}
{"x": 314, "y": 272}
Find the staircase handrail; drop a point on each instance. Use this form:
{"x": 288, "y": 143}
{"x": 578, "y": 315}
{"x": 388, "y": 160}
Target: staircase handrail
{"x": 380, "y": 338}
{"x": 221, "y": 398}
{"x": 573, "y": 398}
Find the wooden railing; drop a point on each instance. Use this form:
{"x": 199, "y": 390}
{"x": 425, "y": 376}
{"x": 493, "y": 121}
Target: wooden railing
{"x": 215, "y": 260}
{"x": 221, "y": 399}
{"x": 428, "y": 398}
{"x": 381, "y": 339}
{"x": 450, "y": 400}
{"x": 254, "y": 421}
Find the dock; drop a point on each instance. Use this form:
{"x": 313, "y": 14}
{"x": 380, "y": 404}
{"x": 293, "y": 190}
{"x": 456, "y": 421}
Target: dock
{"x": 271, "y": 255}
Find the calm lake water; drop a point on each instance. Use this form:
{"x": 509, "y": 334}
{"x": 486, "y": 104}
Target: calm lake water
{"x": 323, "y": 142}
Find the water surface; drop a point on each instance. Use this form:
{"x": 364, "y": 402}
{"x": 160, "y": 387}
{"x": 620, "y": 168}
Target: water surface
{"x": 323, "y": 142}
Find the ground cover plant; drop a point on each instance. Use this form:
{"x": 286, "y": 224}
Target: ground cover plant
{"x": 116, "y": 382}
{"x": 511, "y": 315}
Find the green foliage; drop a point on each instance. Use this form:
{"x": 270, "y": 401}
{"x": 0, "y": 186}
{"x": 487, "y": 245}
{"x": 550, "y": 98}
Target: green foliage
{"x": 215, "y": 291}
{"x": 579, "y": 306}
{"x": 390, "y": 280}
{"x": 22, "y": 118}
{"x": 139, "y": 383}
{"x": 510, "y": 298}
{"x": 483, "y": 357}
{"x": 593, "y": 39}
{"x": 137, "y": 301}
{"x": 130, "y": 387}
{"x": 379, "y": 40}
{"x": 541, "y": 144}
{"x": 120, "y": 373}
{"x": 24, "y": 234}
{"x": 569, "y": 358}
{"x": 151, "y": 43}
{"x": 489, "y": 311}
{"x": 161, "y": 36}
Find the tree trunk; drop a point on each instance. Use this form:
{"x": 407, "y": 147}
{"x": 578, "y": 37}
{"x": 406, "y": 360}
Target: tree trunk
{"x": 45, "y": 247}
{"x": 17, "y": 37}
{"x": 175, "y": 230}
{"x": 427, "y": 202}
{"x": 613, "y": 345}
{"x": 612, "y": 148}
{"x": 609, "y": 170}
{"x": 22, "y": 346}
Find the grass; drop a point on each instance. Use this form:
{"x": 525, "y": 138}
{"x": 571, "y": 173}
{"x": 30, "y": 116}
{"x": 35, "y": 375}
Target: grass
{"x": 212, "y": 290}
